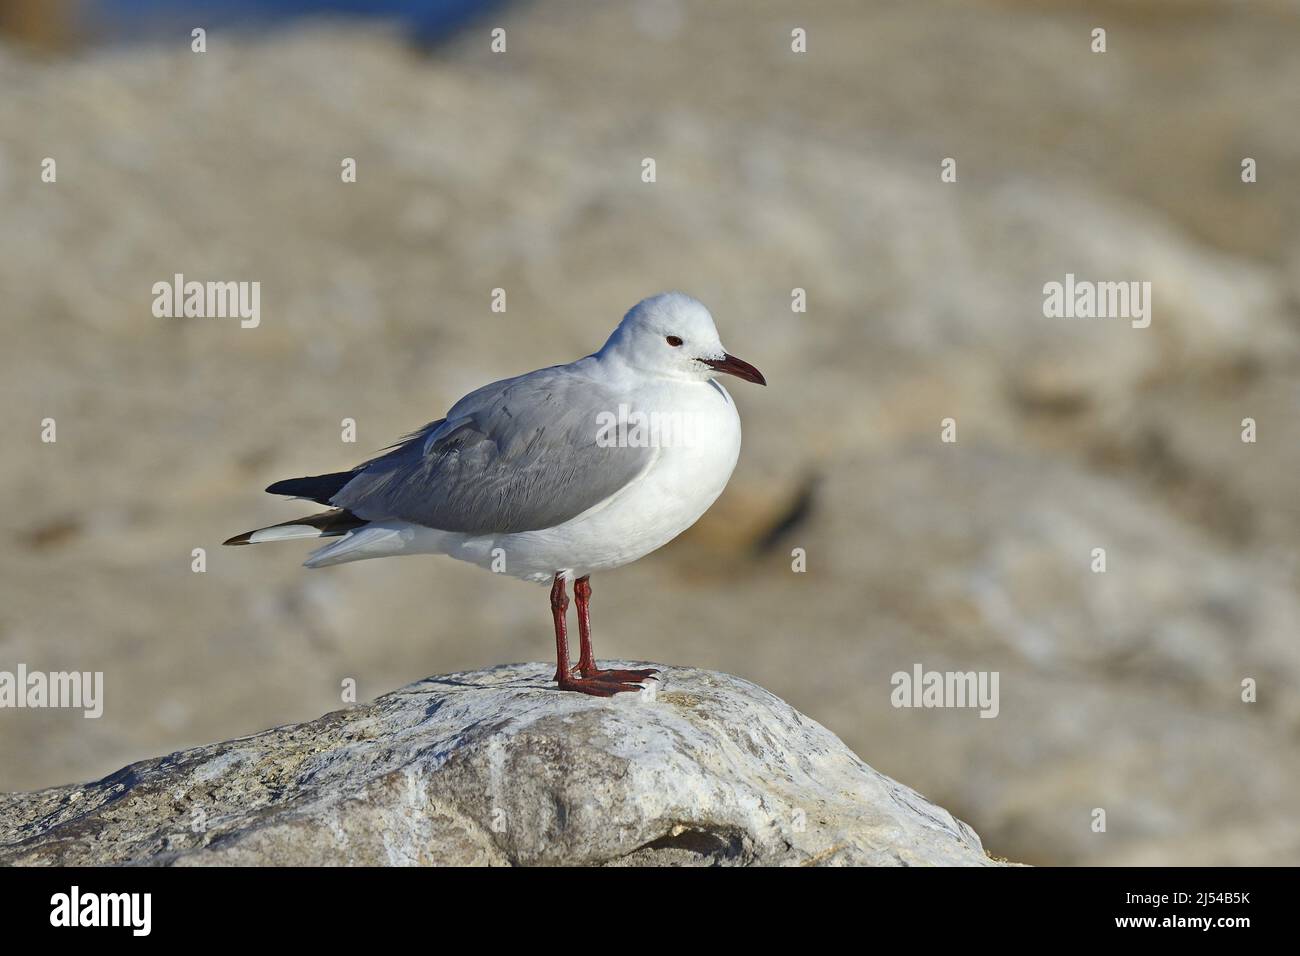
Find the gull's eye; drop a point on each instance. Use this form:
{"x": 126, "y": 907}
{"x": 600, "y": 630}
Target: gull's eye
{"x": 674, "y": 341}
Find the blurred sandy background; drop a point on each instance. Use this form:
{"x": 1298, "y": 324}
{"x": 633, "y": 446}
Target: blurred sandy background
{"x": 775, "y": 171}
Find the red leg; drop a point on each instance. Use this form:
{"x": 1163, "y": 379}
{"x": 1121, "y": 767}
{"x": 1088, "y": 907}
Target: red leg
{"x": 582, "y": 591}
{"x": 587, "y": 659}
{"x": 559, "y": 608}
{"x": 599, "y": 683}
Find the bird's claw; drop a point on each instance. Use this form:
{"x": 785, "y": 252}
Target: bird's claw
{"x": 595, "y": 673}
{"x": 598, "y": 683}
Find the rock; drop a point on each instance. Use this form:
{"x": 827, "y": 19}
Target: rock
{"x": 496, "y": 767}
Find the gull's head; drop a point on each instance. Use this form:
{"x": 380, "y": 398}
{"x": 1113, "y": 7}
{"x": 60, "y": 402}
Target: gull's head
{"x": 672, "y": 335}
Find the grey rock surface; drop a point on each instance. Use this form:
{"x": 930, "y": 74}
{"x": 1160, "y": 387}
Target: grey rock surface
{"x": 497, "y": 767}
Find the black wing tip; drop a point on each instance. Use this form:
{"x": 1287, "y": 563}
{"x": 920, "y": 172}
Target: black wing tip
{"x": 317, "y": 488}
{"x": 284, "y": 487}
{"x": 245, "y": 538}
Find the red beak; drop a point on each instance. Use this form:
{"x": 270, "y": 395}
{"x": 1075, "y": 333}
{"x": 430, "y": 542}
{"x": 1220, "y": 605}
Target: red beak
{"x": 737, "y": 367}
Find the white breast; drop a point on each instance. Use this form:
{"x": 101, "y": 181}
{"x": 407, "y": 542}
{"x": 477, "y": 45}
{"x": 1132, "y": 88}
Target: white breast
{"x": 697, "y": 445}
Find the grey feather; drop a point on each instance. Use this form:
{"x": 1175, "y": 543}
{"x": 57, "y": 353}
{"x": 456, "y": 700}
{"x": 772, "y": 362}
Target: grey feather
{"x": 517, "y": 455}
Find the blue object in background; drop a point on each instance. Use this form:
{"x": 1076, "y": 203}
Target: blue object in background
{"x": 428, "y": 21}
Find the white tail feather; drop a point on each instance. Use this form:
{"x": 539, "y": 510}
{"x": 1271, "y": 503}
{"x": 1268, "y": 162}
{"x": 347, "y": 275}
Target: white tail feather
{"x": 373, "y": 541}
{"x": 284, "y": 532}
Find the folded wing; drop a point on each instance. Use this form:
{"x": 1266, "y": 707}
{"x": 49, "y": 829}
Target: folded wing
{"x": 517, "y": 455}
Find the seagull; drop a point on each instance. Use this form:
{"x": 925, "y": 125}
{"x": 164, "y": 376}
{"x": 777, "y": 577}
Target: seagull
{"x": 553, "y": 475}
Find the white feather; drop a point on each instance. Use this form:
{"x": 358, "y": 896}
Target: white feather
{"x": 284, "y": 533}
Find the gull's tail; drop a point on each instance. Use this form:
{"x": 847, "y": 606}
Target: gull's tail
{"x": 327, "y": 524}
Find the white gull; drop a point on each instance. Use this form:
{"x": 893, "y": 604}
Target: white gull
{"x": 553, "y": 475}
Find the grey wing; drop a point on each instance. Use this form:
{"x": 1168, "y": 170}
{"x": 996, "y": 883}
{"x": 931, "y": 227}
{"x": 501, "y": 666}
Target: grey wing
{"x": 516, "y": 455}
